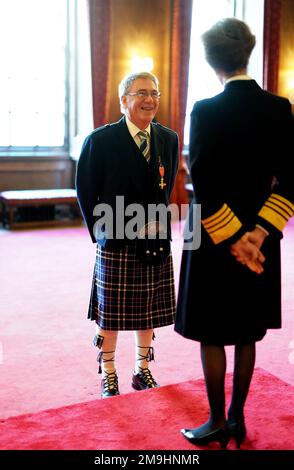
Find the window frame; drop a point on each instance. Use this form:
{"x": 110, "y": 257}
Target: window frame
{"x": 245, "y": 11}
{"x": 45, "y": 151}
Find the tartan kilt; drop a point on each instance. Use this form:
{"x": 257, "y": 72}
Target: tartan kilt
{"x": 129, "y": 295}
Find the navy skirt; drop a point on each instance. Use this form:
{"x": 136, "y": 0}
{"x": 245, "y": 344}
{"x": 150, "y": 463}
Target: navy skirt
{"x": 130, "y": 295}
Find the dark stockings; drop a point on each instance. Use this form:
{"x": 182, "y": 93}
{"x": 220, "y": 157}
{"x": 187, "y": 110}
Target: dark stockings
{"x": 214, "y": 367}
{"x": 243, "y": 371}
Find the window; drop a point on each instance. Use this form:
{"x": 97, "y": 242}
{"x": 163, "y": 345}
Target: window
{"x": 34, "y": 75}
{"x": 203, "y": 82}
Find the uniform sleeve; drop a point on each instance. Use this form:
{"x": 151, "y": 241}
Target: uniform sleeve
{"x": 217, "y": 217}
{"x": 87, "y": 184}
{"x": 279, "y": 207}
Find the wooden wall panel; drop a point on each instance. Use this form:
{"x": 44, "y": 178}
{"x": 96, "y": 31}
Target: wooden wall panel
{"x": 35, "y": 173}
{"x": 286, "y": 68}
{"x": 139, "y": 27}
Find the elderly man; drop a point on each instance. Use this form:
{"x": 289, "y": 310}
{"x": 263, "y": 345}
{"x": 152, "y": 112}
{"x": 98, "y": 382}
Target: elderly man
{"x": 132, "y": 161}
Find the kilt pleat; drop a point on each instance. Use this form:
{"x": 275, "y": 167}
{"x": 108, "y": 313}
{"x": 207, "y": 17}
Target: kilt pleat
{"x": 129, "y": 295}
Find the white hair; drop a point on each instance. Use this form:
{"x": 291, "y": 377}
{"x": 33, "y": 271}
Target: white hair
{"x": 129, "y": 79}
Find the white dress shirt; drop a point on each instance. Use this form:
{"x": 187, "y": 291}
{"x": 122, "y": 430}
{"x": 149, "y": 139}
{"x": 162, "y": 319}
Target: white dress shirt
{"x": 133, "y": 130}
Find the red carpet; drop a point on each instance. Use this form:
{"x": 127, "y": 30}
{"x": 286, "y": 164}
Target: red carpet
{"x": 152, "y": 420}
{"x": 48, "y": 360}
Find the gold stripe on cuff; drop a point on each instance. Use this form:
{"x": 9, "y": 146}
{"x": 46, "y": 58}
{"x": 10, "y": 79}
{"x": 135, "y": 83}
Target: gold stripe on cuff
{"x": 283, "y": 204}
{"x": 273, "y": 217}
{"x": 222, "y": 225}
{"x": 277, "y": 210}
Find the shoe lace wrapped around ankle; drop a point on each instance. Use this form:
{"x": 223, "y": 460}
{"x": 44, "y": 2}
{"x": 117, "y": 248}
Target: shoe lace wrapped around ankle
{"x": 100, "y": 359}
{"x": 148, "y": 377}
{"x": 149, "y": 356}
{"x": 110, "y": 381}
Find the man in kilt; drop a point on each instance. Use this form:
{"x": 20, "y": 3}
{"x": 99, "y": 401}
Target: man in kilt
{"x": 123, "y": 167}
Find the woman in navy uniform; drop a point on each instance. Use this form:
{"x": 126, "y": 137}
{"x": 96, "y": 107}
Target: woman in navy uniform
{"x": 132, "y": 161}
{"x": 241, "y": 163}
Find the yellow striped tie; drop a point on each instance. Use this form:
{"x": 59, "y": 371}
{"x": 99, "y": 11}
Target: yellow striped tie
{"x": 144, "y": 144}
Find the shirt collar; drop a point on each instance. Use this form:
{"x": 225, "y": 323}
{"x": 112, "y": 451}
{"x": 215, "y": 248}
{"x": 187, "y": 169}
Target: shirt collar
{"x": 133, "y": 129}
{"x": 238, "y": 77}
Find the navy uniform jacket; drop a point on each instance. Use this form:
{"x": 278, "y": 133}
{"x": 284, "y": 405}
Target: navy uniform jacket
{"x": 241, "y": 161}
{"x": 111, "y": 165}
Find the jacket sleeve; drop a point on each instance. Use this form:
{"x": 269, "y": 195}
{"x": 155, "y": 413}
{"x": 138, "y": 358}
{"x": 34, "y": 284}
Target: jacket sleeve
{"x": 217, "y": 218}
{"x": 279, "y": 206}
{"x": 87, "y": 185}
{"x": 175, "y": 162}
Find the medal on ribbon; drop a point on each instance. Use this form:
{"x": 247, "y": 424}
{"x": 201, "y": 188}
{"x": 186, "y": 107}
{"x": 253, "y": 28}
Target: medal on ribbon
{"x": 161, "y": 174}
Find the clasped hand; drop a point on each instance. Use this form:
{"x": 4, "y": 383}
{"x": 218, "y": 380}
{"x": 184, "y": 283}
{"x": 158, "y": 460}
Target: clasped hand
{"x": 247, "y": 250}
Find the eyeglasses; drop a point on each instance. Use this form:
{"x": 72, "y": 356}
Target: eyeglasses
{"x": 142, "y": 94}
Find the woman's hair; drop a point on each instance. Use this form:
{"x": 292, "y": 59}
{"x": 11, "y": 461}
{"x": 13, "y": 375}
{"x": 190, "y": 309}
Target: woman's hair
{"x": 129, "y": 79}
{"x": 228, "y": 45}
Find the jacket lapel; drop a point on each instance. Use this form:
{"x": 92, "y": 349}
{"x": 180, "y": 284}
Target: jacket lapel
{"x": 157, "y": 144}
{"x": 161, "y": 156}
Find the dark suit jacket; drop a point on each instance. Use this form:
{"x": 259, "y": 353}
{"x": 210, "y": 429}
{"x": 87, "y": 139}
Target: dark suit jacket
{"x": 111, "y": 165}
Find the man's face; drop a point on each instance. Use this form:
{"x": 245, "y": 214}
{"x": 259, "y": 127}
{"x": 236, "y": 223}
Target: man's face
{"x": 141, "y": 110}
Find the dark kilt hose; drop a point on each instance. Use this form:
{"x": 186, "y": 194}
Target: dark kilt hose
{"x": 129, "y": 295}
{"x": 129, "y": 292}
